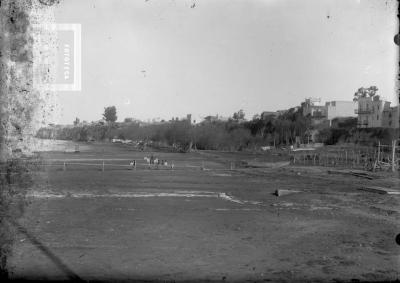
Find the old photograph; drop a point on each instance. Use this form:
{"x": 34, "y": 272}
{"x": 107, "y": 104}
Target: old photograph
{"x": 199, "y": 141}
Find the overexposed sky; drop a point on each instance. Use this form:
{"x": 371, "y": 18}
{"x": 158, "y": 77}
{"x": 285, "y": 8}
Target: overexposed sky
{"x": 163, "y": 58}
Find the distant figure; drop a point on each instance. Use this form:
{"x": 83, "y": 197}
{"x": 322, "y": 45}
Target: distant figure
{"x": 152, "y": 159}
{"x": 148, "y": 161}
{"x": 133, "y": 164}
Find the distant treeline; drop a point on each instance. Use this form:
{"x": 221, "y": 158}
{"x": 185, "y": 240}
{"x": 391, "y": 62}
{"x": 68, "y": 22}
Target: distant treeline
{"x": 234, "y": 134}
{"x": 366, "y": 136}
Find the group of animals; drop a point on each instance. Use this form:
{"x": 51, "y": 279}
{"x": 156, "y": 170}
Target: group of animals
{"x": 153, "y": 161}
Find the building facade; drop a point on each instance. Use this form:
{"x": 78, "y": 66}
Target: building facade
{"x": 370, "y": 112}
{"x": 340, "y": 109}
{"x": 311, "y": 107}
{"x": 391, "y": 117}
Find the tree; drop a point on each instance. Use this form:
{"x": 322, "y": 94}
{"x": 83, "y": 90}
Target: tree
{"x": 76, "y": 122}
{"x": 238, "y": 115}
{"x": 110, "y": 114}
{"x": 363, "y": 92}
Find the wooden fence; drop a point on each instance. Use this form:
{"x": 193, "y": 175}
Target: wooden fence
{"x": 381, "y": 157}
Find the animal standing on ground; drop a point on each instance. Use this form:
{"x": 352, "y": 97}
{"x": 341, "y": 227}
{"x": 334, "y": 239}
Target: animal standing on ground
{"x": 148, "y": 161}
{"x": 133, "y": 164}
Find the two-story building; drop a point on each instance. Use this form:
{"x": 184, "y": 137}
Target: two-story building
{"x": 340, "y": 109}
{"x": 370, "y": 112}
{"x": 312, "y": 107}
{"x": 391, "y": 117}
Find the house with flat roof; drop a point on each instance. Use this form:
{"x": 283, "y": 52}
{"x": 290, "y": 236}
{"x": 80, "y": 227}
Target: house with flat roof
{"x": 340, "y": 109}
{"x": 371, "y": 110}
{"x": 391, "y": 117}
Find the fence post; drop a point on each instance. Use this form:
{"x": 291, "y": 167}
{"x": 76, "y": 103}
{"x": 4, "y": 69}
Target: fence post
{"x": 103, "y": 166}
{"x": 393, "y": 155}
{"x": 64, "y": 167}
{"x": 379, "y": 150}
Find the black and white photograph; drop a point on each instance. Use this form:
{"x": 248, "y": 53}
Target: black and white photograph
{"x": 199, "y": 141}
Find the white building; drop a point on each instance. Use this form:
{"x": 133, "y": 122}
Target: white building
{"x": 340, "y": 109}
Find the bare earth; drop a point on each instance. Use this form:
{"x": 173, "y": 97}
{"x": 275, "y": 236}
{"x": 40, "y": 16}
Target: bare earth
{"x": 215, "y": 224}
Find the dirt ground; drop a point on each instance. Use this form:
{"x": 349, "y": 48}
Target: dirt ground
{"x": 189, "y": 224}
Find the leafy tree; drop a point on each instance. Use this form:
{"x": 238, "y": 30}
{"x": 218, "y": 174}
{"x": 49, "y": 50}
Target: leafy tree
{"x": 110, "y": 114}
{"x": 76, "y": 122}
{"x": 238, "y": 115}
{"x": 363, "y": 92}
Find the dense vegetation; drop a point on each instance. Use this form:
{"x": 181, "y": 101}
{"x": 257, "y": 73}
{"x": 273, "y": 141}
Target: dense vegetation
{"x": 234, "y": 134}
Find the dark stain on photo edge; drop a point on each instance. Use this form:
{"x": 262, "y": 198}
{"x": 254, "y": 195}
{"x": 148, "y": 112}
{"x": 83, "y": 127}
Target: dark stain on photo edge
{"x": 19, "y": 101}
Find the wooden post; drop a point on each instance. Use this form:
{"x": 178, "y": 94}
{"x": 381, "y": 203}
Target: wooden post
{"x": 393, "y": 155}
{"x": 103, "y": 166}
{"x": 64, "y": 167}
{"x": 231, "y": 165}
{"x": 346, "y": 156}
{"x": 379, "y": 151}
